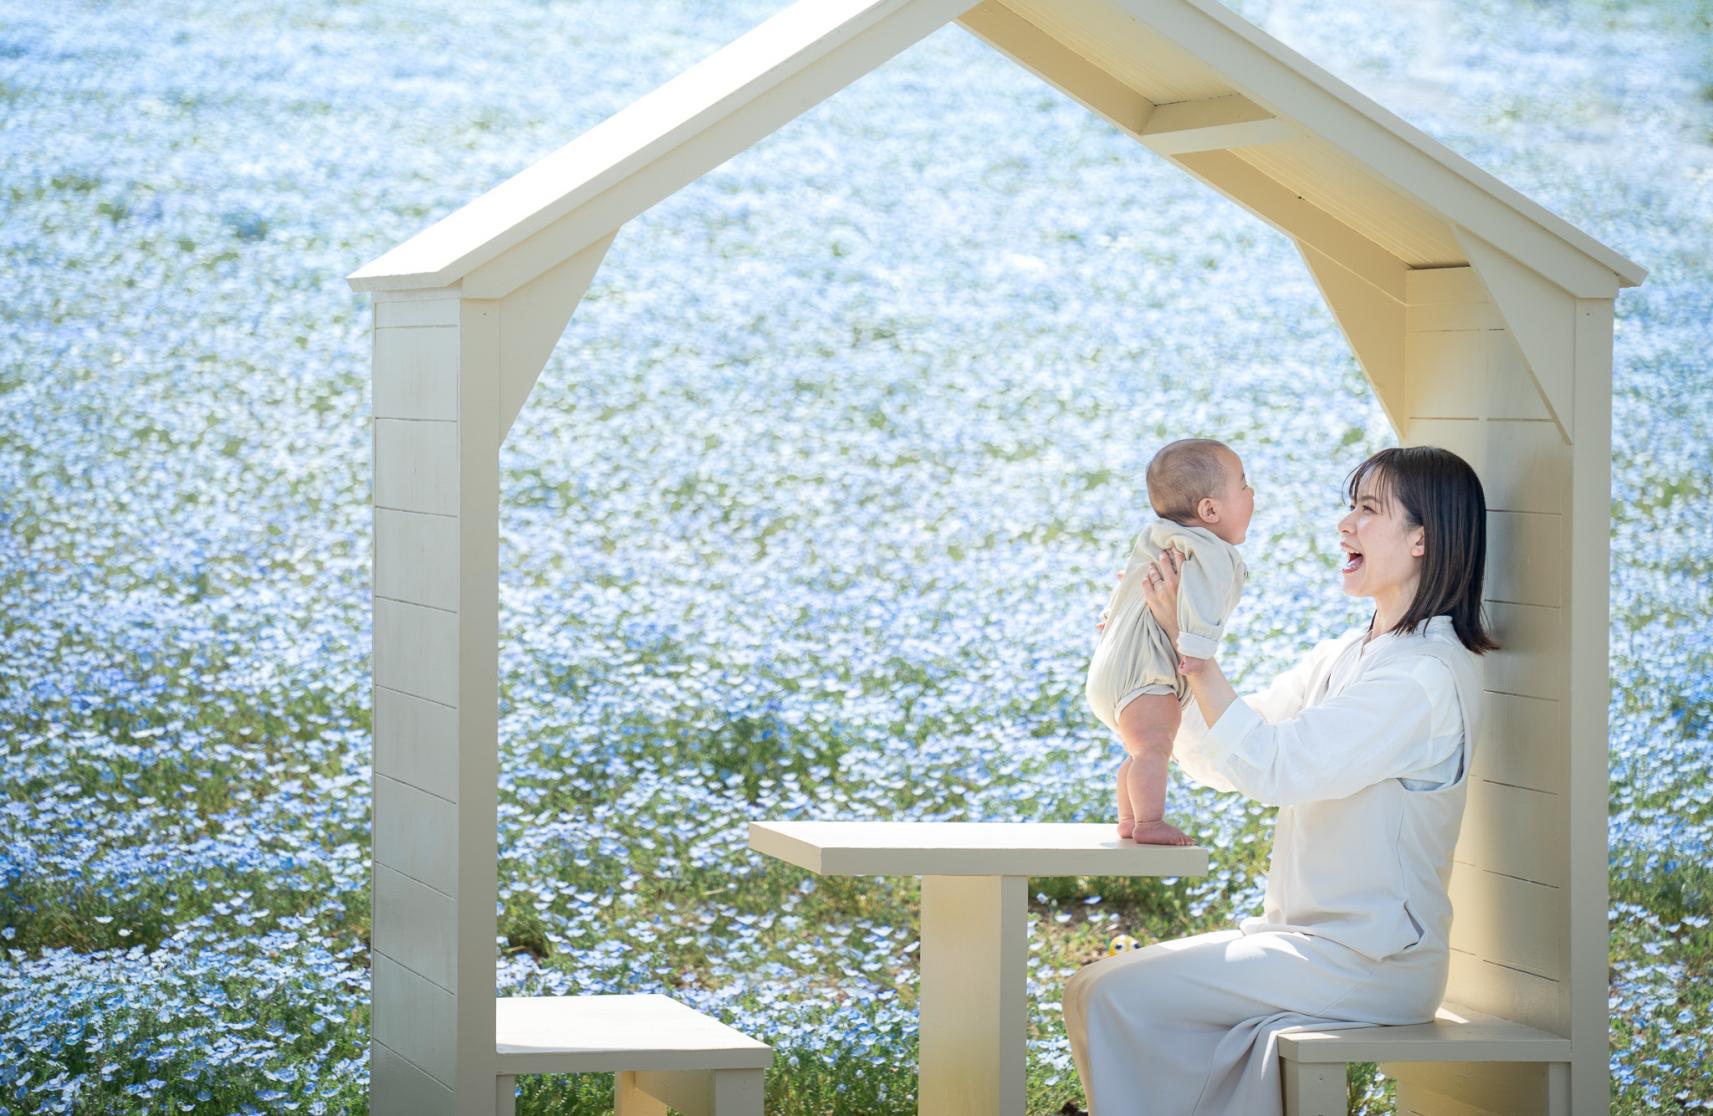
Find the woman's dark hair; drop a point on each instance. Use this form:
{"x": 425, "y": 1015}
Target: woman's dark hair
{"x": 1441, "y": 494}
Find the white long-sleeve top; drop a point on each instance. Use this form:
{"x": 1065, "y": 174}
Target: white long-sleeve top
{"x": 1365, "y": 749}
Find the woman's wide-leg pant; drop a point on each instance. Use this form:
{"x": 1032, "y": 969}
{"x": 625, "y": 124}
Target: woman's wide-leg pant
{"x": 1189, "y": 1027}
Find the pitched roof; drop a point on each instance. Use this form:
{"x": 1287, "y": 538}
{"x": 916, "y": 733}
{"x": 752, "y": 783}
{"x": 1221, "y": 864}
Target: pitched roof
{"x": 1188, "y": 78}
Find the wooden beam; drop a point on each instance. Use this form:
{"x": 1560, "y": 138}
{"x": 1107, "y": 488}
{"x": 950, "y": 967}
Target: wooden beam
{"x": 1213, "y": 124}
{"x": 1288, "y": 212}
{"x": 1542, "y": 319}
{"x": 673, "y": 135}
{"x": 1372, "y": 324}
{"x": 1059, "y": 66}
{"x": 533, "y": 318}
{"x": 1395, "y": 151}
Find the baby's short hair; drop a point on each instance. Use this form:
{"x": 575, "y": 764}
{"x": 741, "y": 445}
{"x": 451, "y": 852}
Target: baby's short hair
{"x": 1181, "y": 474}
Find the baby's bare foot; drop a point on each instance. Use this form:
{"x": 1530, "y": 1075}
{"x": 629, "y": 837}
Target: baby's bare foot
{"x": 1159, "y": 833}
{"x": 1126, "y": 826}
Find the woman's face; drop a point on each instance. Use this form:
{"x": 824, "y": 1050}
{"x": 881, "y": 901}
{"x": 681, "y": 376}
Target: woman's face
{"x": 1383, "y": 554}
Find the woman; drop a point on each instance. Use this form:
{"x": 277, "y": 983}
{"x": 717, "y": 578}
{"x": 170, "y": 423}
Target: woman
{"x": 1365, "y": 747}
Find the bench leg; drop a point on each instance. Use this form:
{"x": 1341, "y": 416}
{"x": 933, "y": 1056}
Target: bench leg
{"x": 1558, "y": 1088}
{"x": 505, "y": 1096}
{"x": 692, "y": 1092}
{"x": 1315, "y": 1088}
{"x": 972, "y": 1060}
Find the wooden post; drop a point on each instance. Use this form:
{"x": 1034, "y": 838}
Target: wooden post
{"x": 436, "y": 669}
{"x": 451, "y": 373}
{"x": 971, "y": 1016}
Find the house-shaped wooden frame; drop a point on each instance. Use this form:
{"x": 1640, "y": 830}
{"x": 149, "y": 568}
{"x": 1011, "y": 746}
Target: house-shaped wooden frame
{"x": 1483, "y": 322}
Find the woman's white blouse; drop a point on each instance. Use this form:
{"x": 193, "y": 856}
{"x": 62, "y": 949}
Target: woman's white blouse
{"x": 1398, "y": 718}
{"x": 1363, "y": 749}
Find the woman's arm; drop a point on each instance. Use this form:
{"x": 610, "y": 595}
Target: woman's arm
{"x": 1378, "y": 728}
{"x": 1194, "y": 749}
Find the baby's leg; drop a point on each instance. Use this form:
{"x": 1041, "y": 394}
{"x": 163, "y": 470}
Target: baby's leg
{"x": 1147, "y": 725}
{"x": 1126, "y": 815}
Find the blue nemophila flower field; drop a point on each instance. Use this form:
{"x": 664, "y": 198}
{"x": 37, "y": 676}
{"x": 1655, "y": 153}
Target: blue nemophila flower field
{"x": 810, "y": 515}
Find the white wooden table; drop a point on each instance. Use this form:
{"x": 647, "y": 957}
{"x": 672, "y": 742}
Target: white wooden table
{"x": 975, "y": 925}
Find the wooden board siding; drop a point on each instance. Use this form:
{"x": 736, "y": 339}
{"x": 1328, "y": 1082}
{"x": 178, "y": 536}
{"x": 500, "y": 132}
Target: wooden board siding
{"x": 1529, "y": 889}
{"x": 436, "y": 501}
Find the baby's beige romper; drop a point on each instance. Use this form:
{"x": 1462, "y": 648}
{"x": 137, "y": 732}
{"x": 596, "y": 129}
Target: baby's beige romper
{"x": 1133, "y": 656}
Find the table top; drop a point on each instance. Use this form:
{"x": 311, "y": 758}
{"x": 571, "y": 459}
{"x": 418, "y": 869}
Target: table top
{"x": 600, "y": 1034}
{"x": 902, "y": 848}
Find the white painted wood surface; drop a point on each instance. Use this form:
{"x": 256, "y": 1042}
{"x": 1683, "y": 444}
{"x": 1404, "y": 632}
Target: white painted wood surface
{"x": 655, "y": 146}
{"x": 1315, "y": 1090}
{"x": 1489, "y": 374}
{"x": 418, "y": 925}
{"x": 1481, "y": 1088}
{"x": 975, "y": 919}
{"x": 661, "y": 1052}
{"x": 436, "y": 606}
{"x": 416, "y": 465}
{"x": 1286, "y": 210}
{"x": 1179, "y": 50}
{"x": 416, "y": 558}
{"x": 873, "y": 848}
{"x": 1373, "y": 326}
{"x": 1588, "y": 1086}
{"x": 1270, "y": 73}
{"x": 1213, "y": 124}
{"x": 1539, "y": 317}
{"x": 701, "y": 1093}
{"x": 972, "y": 995}
{"x": 602, "y": 1034}
{"x": 1524, "y": 743}
{"x": 532, "y": 318}
{"x": 1458, "y": 1033}
{"x": 416, "y": 650}
{"x": 416, "y": 833}
{"x": 416, "y": 373}
{"x": 398, "y": 1088}
{"x": 416, "y": 742}
{"x": 414, "y": 1017}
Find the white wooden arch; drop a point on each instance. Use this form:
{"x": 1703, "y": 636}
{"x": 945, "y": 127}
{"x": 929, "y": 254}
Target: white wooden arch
{"x": 1483, "y": 322}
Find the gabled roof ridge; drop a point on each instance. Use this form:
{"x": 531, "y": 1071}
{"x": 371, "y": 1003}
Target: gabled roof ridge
{"x": 849, "y": 38}
{"x": 1629, "y": 272}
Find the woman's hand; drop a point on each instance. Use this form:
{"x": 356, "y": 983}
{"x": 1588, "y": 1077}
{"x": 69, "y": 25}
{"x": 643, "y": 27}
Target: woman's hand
{"x": 1212, "y": 690}
{"x": 1160, "y": 590}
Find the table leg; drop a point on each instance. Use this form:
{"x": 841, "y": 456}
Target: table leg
{"x": 975, "y": 955}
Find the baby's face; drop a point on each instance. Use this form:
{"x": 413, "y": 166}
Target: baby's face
{"x": 1236, "y": 503}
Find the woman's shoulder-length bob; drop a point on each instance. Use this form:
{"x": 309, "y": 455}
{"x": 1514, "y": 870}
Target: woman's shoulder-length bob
{"x": 1440, "y": 493}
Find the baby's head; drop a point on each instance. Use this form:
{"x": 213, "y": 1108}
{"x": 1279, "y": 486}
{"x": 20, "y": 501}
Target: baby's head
{"x": 1200, "y": 483}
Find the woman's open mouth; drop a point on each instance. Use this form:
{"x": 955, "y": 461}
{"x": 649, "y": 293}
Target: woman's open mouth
{"x": 1353, "y": 562}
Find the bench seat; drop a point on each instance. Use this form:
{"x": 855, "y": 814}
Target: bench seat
{"x": 663, "y": 1052}
{"x": 1314, "y": 1061}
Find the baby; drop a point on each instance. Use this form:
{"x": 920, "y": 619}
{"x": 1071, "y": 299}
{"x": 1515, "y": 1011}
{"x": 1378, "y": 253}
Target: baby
{"x": 1199, "y": 491}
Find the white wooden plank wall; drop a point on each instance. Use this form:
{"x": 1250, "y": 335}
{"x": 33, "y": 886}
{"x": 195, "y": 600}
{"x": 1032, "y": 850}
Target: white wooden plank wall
{"x": 414, "y": 934}
{"x": 1468, "y": 390}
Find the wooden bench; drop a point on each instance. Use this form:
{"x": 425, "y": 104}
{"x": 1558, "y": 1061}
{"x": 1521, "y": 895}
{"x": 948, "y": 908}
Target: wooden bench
{"x": 662, "y": 1052}
{"x": 1315, "y": 1061}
